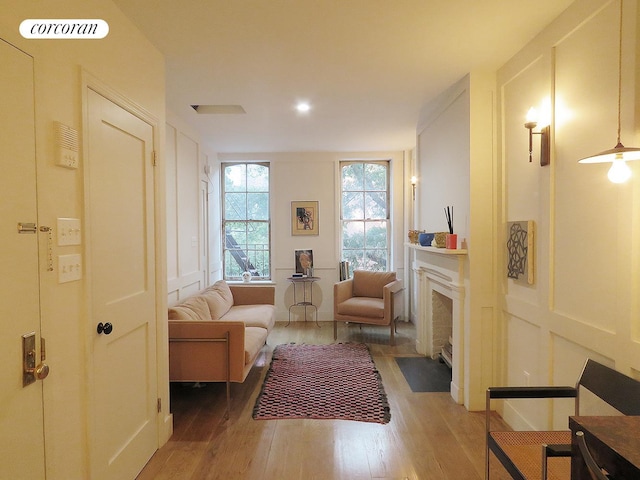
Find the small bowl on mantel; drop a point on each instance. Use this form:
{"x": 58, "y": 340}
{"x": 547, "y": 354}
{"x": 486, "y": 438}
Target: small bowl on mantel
{"x": 425, "y": 239}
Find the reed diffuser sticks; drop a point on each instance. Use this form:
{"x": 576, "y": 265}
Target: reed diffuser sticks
{"x": 448, "y": 213}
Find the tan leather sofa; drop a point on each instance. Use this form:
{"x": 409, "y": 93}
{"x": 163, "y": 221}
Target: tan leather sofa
{"x": 200, "y": 324}
{"x": 373, "y": 298}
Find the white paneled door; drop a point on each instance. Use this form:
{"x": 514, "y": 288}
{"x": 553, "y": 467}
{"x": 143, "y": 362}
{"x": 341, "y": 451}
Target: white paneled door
{"x": 119, "y": 183}
{"x": 21, "y": 413}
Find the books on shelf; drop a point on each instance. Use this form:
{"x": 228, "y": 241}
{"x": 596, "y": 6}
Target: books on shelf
{"x": 344, "y": 270}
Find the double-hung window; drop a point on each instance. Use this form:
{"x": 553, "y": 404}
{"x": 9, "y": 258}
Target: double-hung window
{"x": 246, "y": 222}
{"x": 364, "y": 214}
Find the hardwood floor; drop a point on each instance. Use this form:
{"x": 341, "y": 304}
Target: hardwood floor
{"x": 429, "y": 436}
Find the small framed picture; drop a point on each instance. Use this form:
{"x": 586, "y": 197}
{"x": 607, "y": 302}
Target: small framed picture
{"x": 521, "y": 251}
{"x": 304, "y": 262}
{"x": 304, "y": 218}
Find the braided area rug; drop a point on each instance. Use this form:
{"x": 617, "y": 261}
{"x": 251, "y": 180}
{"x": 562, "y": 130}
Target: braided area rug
{"x": 337, "y": 381}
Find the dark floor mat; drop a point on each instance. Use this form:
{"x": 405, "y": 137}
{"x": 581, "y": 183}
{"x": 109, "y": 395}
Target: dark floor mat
{"x": 425, "y": 374}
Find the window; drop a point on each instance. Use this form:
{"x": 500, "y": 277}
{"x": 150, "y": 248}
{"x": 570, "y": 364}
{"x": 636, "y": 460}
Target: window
{"x": 246, "y": 224}
{"x": 364, "y": 214}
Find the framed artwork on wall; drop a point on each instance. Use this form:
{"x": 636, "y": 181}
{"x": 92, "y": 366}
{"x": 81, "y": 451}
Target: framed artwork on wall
{"x": 520, "y": 251}
{"x": 304, "y": 218}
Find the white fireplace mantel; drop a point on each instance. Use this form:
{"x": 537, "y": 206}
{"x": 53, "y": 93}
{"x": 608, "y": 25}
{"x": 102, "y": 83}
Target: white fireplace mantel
{"x": 441, "y": 270}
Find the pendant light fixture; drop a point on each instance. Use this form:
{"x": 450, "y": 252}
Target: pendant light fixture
{"x": 618, "y": 155}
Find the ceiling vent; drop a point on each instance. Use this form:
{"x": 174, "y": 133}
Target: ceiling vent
{"x": 218, "y": 109}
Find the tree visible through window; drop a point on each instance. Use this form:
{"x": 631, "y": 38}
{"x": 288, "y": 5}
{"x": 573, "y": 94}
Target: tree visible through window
{"x": 365, "y": 214}
{"x": 246, "y": 222}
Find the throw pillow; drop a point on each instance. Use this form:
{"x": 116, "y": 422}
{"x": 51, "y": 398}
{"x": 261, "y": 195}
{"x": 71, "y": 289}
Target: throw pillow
{"x": 193, "y": 308}
{"x": 219, "y": 298}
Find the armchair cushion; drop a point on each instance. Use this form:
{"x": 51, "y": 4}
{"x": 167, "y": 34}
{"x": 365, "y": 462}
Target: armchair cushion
{"x": 362, "y": 307}
{"x": 369, "y": 284}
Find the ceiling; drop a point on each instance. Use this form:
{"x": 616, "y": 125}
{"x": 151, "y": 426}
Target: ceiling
{"x": 366, "y": 66}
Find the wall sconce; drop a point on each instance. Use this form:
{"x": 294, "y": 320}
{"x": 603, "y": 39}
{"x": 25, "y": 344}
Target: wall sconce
{"x": 618, "y": 155}
{"x": 414, "y": 181}
{"x": 545, "y": 145}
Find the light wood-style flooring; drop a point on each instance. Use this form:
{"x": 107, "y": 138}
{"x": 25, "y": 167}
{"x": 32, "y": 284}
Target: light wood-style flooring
{"x": 429, "y": 436}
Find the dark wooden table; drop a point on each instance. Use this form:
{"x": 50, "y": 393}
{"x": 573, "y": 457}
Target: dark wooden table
{"x": 614, "y": 443}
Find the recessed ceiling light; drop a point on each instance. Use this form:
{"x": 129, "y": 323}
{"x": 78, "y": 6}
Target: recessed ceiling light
{"x": 303, "y": 107}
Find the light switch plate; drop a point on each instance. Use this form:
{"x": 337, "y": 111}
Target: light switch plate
{"x": 69, "y": 268}
{"x": 69, "y": 232}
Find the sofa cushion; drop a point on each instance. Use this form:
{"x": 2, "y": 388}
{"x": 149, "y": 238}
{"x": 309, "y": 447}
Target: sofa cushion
{"x": 219, "y": 298}
{"x": 362, "y": 307}
{"x": 253, "y": 315}
{"x": 193, "y": 308}
{"x": 369, "y": 284}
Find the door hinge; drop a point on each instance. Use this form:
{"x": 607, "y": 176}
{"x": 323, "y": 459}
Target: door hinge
{"x": 159, "y": 405}
{"x": 155, "y": 158}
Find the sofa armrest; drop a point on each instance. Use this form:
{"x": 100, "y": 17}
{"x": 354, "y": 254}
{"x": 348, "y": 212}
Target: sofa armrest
{"x": 342, "y": 291}
{"x": 195, "y": 357}
{"x": 253, "y": 294}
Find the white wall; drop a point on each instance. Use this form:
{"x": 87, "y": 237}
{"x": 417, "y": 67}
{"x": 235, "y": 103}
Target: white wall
{"x": 584, "y": 299}
{"x": 188, "y": 187}
{"x": 443, "y": 145}
{"x": 128, "y": 63}
{"x": 305, "y": 176}
{"x": 455, "y": 167}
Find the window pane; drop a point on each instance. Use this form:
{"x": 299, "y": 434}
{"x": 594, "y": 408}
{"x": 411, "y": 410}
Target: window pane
{"x": 257, "y": 178}
{"x": 375, "y": 176}
{"x": 257, "y": 248}
{"x": 352, "y": 235}
{"x": 257, "y": 206}
{"x": 355, "y": 259}
{"x": 236, "y": 234}
{"x": 376, "y": 235}
{"x": 235, "y": 178}
{"x": 353, "y": 177}
{"x": 376, "y": 260}
{"x": 232, "y": 268}
{"x": 235, "y": 206}
{"x": 376, "y": 205}
{"x": 353, "y": 205}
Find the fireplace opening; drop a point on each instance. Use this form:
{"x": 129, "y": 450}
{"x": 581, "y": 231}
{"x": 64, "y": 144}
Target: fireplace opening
{"x": 442, "y": 326}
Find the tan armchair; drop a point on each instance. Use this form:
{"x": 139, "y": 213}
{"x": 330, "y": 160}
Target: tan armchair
{"x": 374, "y": 298}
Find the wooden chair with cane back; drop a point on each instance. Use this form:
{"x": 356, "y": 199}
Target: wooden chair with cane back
{"x": 529, "y": 455}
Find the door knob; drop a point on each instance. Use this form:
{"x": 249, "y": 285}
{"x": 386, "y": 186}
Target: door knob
{"x": 42, "y": 371}
{"x": 107, "y": 328}
{"x": 30, "y": 371}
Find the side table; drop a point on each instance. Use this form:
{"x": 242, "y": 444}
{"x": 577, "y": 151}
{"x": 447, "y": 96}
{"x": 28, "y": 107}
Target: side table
{"x": 304, "y": 303}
